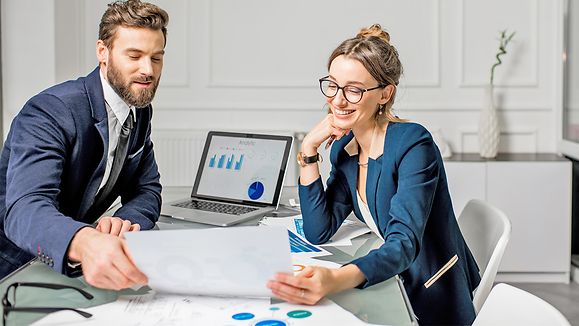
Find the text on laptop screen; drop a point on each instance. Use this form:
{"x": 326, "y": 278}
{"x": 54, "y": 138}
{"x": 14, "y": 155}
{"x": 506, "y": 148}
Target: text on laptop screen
{"x": 242, "y": 168}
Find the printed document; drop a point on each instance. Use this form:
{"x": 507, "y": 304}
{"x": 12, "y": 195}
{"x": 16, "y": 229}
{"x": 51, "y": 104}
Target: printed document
{"x": 168, "y": 310}
{"x": 349, "y": 229}
{"x": 236, "y": 261}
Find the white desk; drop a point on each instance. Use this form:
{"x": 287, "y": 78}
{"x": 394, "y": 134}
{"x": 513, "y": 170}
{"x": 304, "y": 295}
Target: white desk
{"x": 384, "y": 303}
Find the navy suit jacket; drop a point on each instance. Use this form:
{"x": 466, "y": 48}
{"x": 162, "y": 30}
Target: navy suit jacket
{"x": 408, "y": 197}
{"x": 51, "y": 167}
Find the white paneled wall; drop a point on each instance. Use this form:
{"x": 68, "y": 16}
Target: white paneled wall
{"x": 178, "y": 154}
{"x": 254, "y": 65}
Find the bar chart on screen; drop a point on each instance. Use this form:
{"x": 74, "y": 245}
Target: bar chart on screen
{"x": 228, "y": 162}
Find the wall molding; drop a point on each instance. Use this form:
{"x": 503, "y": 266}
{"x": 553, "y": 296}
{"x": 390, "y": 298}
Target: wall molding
{"x": 431, "y": 82}
{"x": 191, "y": 96}
{"x": 186, "y": 82}
{"x": 464, "y": 81}
{"x": 401, "y": 107}
{"x": 212, "y": 82}
{"x": 472, "y": 132}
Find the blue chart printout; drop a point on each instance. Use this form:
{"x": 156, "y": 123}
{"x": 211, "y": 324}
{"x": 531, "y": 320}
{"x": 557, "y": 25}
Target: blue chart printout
{"x": 297, "y": 244}
{"x": 299, "y": 223}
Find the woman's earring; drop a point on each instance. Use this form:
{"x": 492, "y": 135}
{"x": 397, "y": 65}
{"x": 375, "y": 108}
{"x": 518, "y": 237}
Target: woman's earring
{"x": 380, "y": 109}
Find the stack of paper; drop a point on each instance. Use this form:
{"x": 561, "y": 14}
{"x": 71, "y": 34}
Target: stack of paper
{"x": 200, "y": 276}
{"x": 168, "y": 310}
{"x": 349, "y": 230}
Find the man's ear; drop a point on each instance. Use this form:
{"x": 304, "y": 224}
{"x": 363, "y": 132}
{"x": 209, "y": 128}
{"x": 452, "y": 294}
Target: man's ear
{"x": 387, "y": 93}
{"x": 102, "y": 52}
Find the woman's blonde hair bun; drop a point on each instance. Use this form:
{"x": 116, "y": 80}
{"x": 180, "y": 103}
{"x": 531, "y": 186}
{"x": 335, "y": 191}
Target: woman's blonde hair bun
{"x": 374, "y": 30}
{"x": 372, "y": 48}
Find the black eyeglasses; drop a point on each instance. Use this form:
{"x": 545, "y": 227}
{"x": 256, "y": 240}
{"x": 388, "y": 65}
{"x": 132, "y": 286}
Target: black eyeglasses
{"x": 10, "y": 306}
{"x": 351, "y": 93}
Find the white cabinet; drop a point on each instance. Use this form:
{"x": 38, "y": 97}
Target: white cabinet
{"x": 534, "y": 190}
{"x": 466, "y": 181}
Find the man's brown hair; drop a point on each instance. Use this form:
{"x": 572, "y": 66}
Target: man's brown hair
{"x": 131, "y": 13}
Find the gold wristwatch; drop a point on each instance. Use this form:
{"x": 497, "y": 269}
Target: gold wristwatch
{"x": 304, "y": 160}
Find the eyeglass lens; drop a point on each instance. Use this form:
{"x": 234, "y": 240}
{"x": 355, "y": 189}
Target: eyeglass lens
{"x": 352, "y": 94}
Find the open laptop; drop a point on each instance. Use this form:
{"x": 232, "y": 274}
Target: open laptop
{"x": 240, "y": 177}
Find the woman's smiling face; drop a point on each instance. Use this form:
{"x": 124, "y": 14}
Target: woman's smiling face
{"x": 349, "y": 72}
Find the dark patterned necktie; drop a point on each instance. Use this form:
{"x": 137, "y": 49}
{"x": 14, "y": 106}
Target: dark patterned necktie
{"x": 119, "y": 160}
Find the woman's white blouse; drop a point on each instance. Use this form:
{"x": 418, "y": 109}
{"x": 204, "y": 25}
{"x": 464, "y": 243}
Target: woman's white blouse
{"x": 367, "y": 216}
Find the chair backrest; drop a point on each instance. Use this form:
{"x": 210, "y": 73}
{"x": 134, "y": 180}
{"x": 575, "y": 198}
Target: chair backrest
{"x": 508, "y": 305}
{"x": 486, "y": 230}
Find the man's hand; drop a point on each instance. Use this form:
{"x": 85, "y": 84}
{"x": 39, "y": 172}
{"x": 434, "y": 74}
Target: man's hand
{"x": 116, "y": 226}
{"x": 106, "y": 261}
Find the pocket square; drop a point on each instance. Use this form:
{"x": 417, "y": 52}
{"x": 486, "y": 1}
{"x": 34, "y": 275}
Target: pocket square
{"x": 130, "y": 156}
{"x": 441, "y": 271}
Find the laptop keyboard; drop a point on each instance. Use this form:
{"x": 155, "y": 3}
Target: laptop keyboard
{"x": 215, "y": 207}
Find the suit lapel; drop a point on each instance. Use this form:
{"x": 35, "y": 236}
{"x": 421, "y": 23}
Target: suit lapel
{"x": 374, "y": 169}
{"x": 351, "y": 169}
{"x": 94, "y": 91}
{"x": 136, "y": 140}
{"x": 103, "y": 129}
{"x": 375, "y": 161}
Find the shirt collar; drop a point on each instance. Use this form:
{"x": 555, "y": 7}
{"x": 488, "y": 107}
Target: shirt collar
{"x": 377, "y": 145}
{"x": 119, "y": 107}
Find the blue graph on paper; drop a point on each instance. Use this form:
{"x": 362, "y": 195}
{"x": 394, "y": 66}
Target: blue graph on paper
{"x": 297, "y": 244}
{"x": 299, "y": 223}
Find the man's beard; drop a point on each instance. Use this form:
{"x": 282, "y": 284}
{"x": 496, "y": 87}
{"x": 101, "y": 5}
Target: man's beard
{"x": 122, "y": 87}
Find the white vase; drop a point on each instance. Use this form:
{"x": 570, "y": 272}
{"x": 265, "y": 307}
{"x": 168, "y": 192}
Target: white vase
{"x": 488, "y": 127}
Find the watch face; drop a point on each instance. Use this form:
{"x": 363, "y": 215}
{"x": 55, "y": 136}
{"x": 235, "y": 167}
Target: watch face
{"x": 301, "y": 157}
{"x": 300, "y": 160}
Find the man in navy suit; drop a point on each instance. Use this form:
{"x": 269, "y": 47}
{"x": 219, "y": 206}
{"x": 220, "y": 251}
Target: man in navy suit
{"x": 57, "y": 169}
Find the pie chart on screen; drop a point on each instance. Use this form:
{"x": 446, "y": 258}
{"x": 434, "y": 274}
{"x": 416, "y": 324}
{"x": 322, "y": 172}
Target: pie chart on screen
{"x": 255, "y": 190}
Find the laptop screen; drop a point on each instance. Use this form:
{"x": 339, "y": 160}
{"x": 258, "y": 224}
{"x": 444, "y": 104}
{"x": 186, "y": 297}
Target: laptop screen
{"x": 242, "y": 168}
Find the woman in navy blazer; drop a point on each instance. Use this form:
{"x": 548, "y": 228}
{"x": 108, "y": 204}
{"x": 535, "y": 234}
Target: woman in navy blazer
{"x": 390, "y": 174}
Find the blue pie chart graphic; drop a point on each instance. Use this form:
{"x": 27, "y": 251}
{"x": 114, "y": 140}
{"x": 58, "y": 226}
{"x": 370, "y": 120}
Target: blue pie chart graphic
{"x": 255, "y": 190}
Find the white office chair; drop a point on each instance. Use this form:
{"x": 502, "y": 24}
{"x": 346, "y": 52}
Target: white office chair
{"x": 508, "y": 305}
{"x": 486, "y": 230}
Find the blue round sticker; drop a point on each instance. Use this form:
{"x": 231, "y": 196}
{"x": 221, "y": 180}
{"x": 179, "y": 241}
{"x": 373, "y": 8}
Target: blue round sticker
{"x": 271, "y": 322}
{"x": 243, "y": 316}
